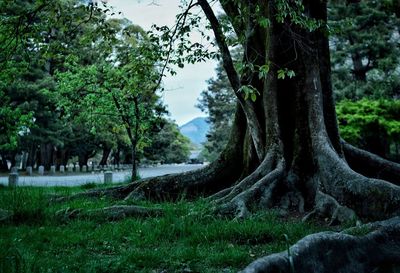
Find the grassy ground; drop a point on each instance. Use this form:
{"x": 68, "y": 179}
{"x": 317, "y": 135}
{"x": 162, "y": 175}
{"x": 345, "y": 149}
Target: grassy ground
{"x": 188, "y": 238}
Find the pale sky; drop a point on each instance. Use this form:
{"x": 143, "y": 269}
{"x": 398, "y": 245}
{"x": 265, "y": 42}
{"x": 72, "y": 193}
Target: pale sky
{"x": 182, "y": 90}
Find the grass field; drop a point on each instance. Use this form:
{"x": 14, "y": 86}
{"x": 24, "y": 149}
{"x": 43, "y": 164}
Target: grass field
{"x": 187, "y": 238}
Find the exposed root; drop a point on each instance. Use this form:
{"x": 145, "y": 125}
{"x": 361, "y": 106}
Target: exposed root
{"x": 371, "y": 165}
{"x": 369, "y": 198}
{"x": 259, "y": 194}
{"x": 262, "y": 170}
{"x": 220, "y": 194}
{"x": 327, "y": 207}
{"x": 330, "y": 252}
{"x": 113, "y": 213}
{"x": 117, "y": 192}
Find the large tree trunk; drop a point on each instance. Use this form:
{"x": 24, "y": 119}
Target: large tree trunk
{"x": 46, "y": 155}
{"x": 3, "y": 163}
{"x": 62, "y": 156}
{"x": 285, "y": 151}
{"x": 106, "y": 154}
{"x": 31, "y": 155}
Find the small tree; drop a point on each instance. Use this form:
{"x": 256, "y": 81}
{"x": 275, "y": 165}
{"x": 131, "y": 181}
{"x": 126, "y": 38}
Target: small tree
{"x": 167, "y": 145}
{"x": 119, "y": 87}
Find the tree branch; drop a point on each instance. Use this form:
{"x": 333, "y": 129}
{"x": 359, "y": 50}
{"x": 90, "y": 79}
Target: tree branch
{"x": 370, "y": 164}
{"x": 232, "y": 10}
{"x": 234, "y": 79}
{"x": 223, "y": 47}
{"x": 181, "y": 20}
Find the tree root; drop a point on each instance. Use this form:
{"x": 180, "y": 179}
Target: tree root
{"x": 330, "y": 252}
{"x": 338, "y": 193}
{"x": 210, "y": 179}
{"x": 371, "y": 165}
{"x": 327, "y": 207}
{"x": 370, "y": 198}
{"x": 259, "y": 194}
{"x": 262, "y": 170}
{"x": 112, "y": 213}
{"x": 117, "y": 192}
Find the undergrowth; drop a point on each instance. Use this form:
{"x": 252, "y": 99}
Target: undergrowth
{"x": 187, "y": 238}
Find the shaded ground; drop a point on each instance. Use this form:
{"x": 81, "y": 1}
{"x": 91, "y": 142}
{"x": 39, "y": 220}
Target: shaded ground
{"x": 186, "y": 238}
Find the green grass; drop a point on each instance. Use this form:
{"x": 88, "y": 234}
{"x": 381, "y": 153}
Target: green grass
{"x": 187, "y": 237}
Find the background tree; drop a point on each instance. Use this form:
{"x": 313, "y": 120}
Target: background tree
{"x": 122, "y": 82}
{"x": 219, "y": 102}
{"x": 167, "y": 144}
{"x": 365, "y": 50}
{"x": 49, "y": 38}
{"x": 365, "y": 56}
{"x": 371, "y": 124}
{"x": 36, "y": 36}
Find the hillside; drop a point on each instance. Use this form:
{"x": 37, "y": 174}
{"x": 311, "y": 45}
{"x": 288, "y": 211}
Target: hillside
{"x": 196, "y": 130}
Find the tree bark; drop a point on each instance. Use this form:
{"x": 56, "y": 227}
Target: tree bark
{"x": 371, "y": 165}
{"x": 331, "y": 252}
{"x": 31, "y": 155}
{"x": 46, "y": 155}
{"x": 117, "y": 155}
{"x": 61, "y": 157}
{"x": 3, "y": 163}
{"x": 134, "y": 167}
{"x": 106, "y": 154}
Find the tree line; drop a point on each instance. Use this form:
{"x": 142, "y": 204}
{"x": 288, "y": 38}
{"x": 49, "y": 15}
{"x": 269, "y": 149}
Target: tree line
{"x": 75, "y": 82}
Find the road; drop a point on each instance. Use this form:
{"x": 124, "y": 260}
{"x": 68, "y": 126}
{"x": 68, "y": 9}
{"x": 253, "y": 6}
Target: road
{"x": 81, "y": 179}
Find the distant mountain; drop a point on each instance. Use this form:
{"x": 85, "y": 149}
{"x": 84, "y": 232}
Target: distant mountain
{"x": 196, "y": 130}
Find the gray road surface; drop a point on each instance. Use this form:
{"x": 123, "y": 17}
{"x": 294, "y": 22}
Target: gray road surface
{"x": 76, "y": 180}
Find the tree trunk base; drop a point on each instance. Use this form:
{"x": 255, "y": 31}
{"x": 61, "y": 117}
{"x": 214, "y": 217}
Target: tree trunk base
{"x": 341, "y": 195}
{"x": 334, "y": 191}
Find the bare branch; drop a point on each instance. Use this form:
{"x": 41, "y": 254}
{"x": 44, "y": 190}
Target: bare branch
{"x": 181, "y": 20}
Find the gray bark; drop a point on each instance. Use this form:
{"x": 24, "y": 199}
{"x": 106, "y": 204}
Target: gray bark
{"x": 331, "y": 252}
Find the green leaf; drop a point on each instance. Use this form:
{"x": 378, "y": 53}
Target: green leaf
{"x": 264, "y": 22}
{"x": 249, "y": 92}
{"x": 290, "y": 73}
{"x": 281, "y": 74}
{"x": 263, "y": 71}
